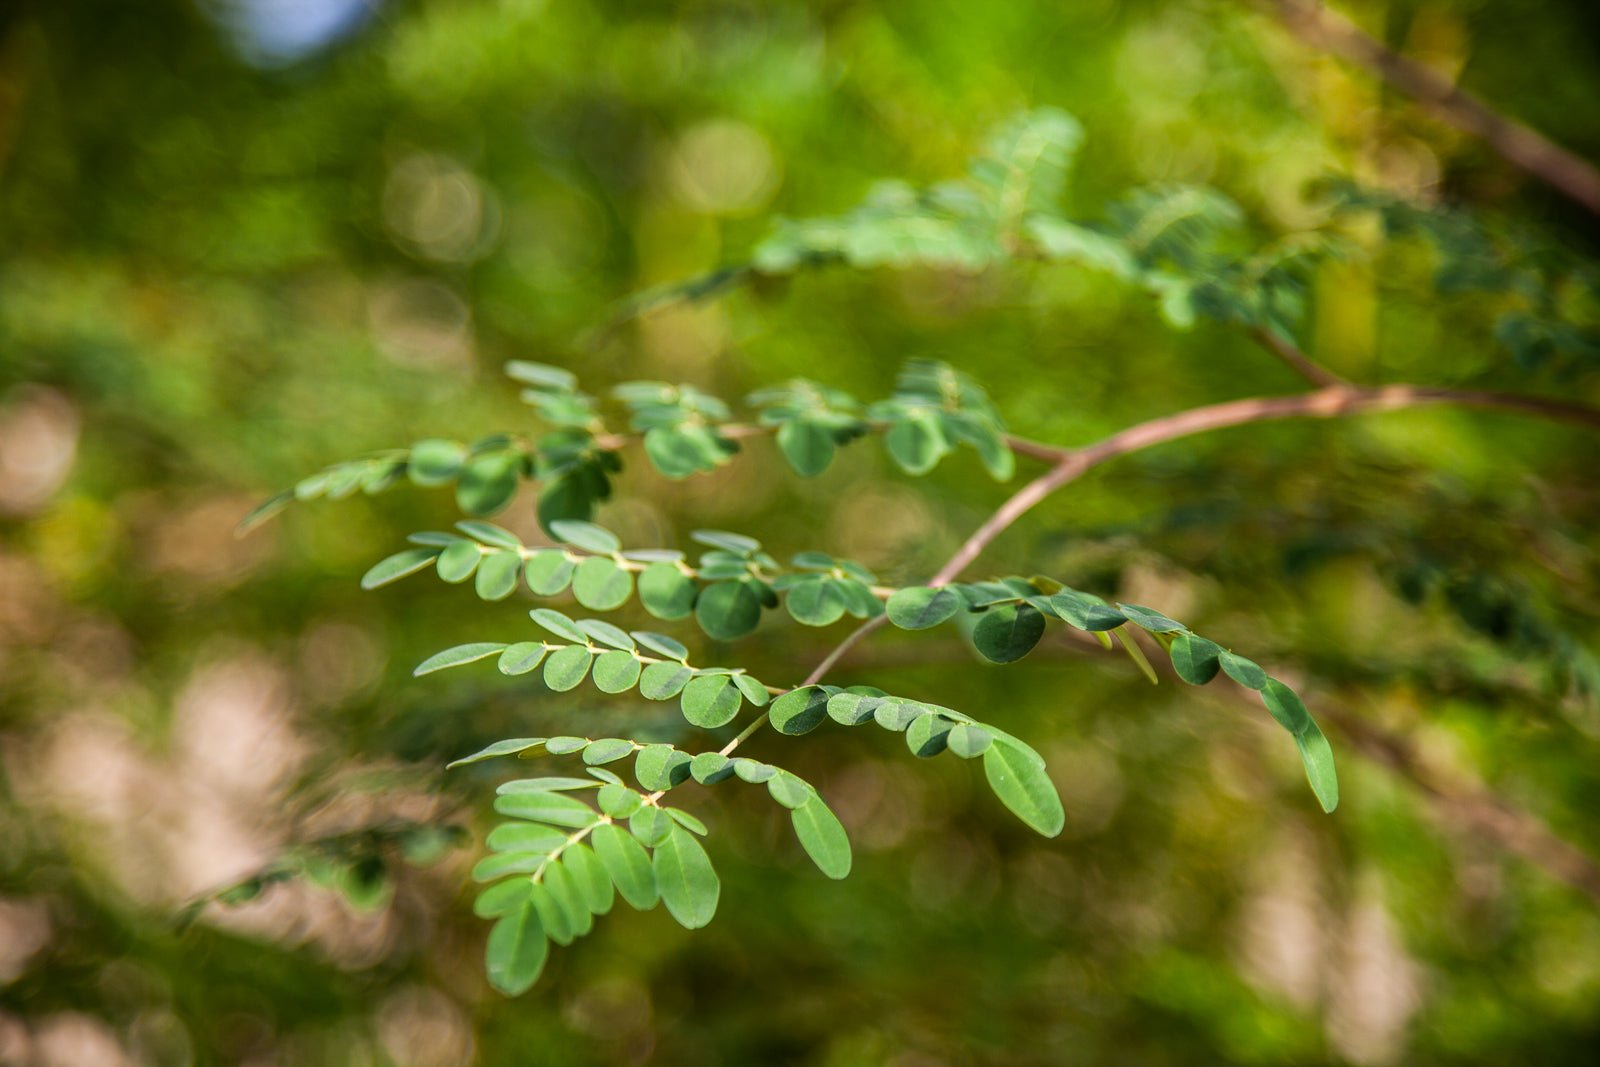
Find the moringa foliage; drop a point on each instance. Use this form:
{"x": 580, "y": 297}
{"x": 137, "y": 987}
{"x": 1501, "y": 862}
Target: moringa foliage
{"x": 570, "y": 845}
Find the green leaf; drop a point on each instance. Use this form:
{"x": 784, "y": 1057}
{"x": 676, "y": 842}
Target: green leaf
{"x": 548, "y": 571}
{"x": 606, "y": 634}
{"x": 566, "y": 668}
{"x": 500, "y": 864}
{"x": 1317, "y": 756}
{"x": 616, "y": 672}
{"x": 626, "y": 861}
{"x": 916, "y": 443}
{"x": 607, "y": 750}
{"x": 663, "y": 681}
{"x": 590, "y": 878}
{"x": 650, "y": 825}
{"x": 1131, "y": 646}
{"x": 516, "y": 950}
{"x": 709, "y": 768}
{"x": 788, "y": 789}
{"x": 711, "y": 700}
{"x": 661, "y": 645}
{"x": 807, "y": 446}
{"x": 488, "y": 482}
{"x": 557, "y": 923}
{"x": 928, "y": 735}
{"x": 459, "y": 559}
{"x": 1194, "y": 658}
{"x": 894, "y": 713}
{"x": 738, "y": 544}
{"x": 559, "y": 625}
{"x": 502, "y": 898}
{"x": 855, "y": 705}
{"x": 511, "y": 746}
{"x": 672, "y": 452}
{"x": 815, "y": 602}
{"x": 601, "y": 585}
{"x": 618, "y": 801}
{"x": 522, "y": 657}
{"x": 545, "y": 784}
{"x": 1151, "y": 619}
{"x": 557, "y": 809}
{"x": 687, "y": 821}
{"x": 728, "y": 610}
{"x": 435, "y": 461}
{"x": 455, "y": 657}
{"x": 968, "y": 740}
{"x": 398, "y": 566}
{"x": 660, "y": 767}
{"x": 586, "y": 535}
{"x": 541, "y": 375}
{"x": 1086, "y": 611}
{"x": 799, "y": 711}
{"x": 1246, "y": 672}
{"x": 666, "y": 592}
{"x": 753, "y": 689}
{"x": 822, "y": 836}
{"x": 497, "y": 575}
{"x": 1008, "y": 632}
{"x": 689, "y": 885}
{"x": 490, "y": 534}
{"x": 558, "y": 880}
{"x": 1019, "y": 780}
{"x": 920, "y": 608}
{"x": 560, "y": 746}
{"x": 525, "y": 837}
{"x": 1285, "y": 706}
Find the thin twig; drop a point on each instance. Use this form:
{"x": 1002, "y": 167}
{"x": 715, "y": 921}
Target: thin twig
{"x": 1298, "y": 361}
{"x": 1519, "y": 145}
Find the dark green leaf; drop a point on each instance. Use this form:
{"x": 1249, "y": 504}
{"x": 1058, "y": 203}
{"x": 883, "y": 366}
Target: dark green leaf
{"x": 1151, "y": 620}
{"x": 1008, "y": 632}
{"x": 557, "y": 809}
{"x": 661, "y": 645}
{"x": 916, "y": 443}
{"x": 488, "y": 482}
{"x": 546, "y": 784}
{"x": 589, "y": 877}
{"x": 1086, "y": 611}
{"x": 822, "y": 836}
{"x": 1285, "y": 706}
{"x": 807, "y": 446}
{"x": 1194, "y": 658}
{"x": 927, "y": 735}
{"x": 606, "y": 634}
{"x": 815, "y": 602}
{"x": 738, "y": 544}
{"x": 650, "y": 825}
{"x": 490, "y": 534}
{"x": 799, "y": 711}
{"x": 753, "y": 689}
{"x": 709, "y": 768}
{"x": 1317, "y": 756}
{"x": 728, "y": 610}
{"x": 661, "y": 767}
{"x": 559, "y": 625}
{"x": 1243, "y": 671}
{"x": 502, "y": 898}
{"x": 919, "y": 607}
{"x": 618, "y": 801}
{"x": 711, "y": 700}
{"x": 855, "y": 705}
{"x": 626, "y": 861}
{"x": 516, "y": 950}
{"x": 607, "y": 750}
{"x": 689, "y": 885}
{"x": 789, "y": 790}
{"x": 525, "y": 837}
{"x": 663, "y": 681}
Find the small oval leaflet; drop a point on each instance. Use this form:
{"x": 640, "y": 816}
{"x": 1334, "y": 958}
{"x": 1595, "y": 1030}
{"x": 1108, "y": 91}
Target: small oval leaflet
{"x": 601, "y": 585}
{"x": 799, "y": 711}
{"x": 711, "y": 701}
{"x": 666, "y": 592}
{"x": 586, "y": 535}
{"x": 1020, "y": 782}
{"x": 516, "y": 950}
{"x": 728, "y": 610}
{"x": 920, "y": 607}
{"x": 455, "y": 657}
{"x": 1008, "y": 632}
{"x": 1246, "y": 672}
{"x": 627, "y": 863}
{"x": 822, "y": 836}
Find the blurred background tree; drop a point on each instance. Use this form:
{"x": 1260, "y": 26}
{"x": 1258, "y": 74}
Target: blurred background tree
{"x": 243, "y": 238}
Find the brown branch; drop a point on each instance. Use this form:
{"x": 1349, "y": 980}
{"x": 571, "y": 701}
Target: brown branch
{"x": 1298, "y": 361}
{"x": 1519, "y": 145}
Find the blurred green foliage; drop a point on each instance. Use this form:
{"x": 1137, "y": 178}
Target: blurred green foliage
{"x": 229, "y": 259}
